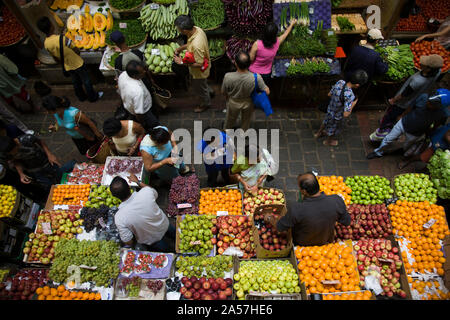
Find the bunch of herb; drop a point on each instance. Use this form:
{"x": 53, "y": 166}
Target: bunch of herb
{"x": 345, "y": 24}
{"x": 300, "y": 43}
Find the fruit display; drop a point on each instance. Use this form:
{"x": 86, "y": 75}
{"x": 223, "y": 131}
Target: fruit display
{"x": 413, "y": 23}
{"x": 155, "y": 285}
{"x": 3, "y": 274}
{"x": 415, "y": 187}
{"x": 368, "y": 221}
{"x": 124, "y": 4}
{"x": 195, "y": 234}
{"x": 248, "y": 18}
{"x": 132, "y": 286}
{"x": 369, "y": 189}
{"x": 24, "y": 284}
{"x": 173, "y": 285}
{"x": 216, "y": 47}
{"x": 426, "y": 48}
{"x": 335, "y": 185}
{"x": 158, "y": 21}
{"x": 101, "y": 195}
{"x": 8, "y": 196}
{"x": 220, "y": 201}
{"x": 70, "y": 194}
{"x": 159, "y": 57}
{"x": 360, "y": 295}
{"x": 433, "y": 289}
{"x": 381, "y": 259}
{"x": 123, "y": 167}
{"x": 52, "y": 226}
{"x": 400, "y": 60}
{"x": 146, "y": 264}
{"x": 63, "y": 293}
{"x": 439, "y": 167}
{"x": 131, "y": 29}
{"x": 208, "y": 14}
{"x": 109, "y": 231}
{"x": 271, "y": 276}
{"x": 437, "y": 9}
{"x": 11, "y": 31}
{"x": 198, "y": 266}
{"x": 86, "y": 173}
{"x": 91, "y": 217}
{"x": 206, "y": 289}
{"x": 423, "y": 227}
{"x": 101, "y": 256}
{"x": 263, "y": 196}
{"x": 300, "y": 43}
{"x": 235, "y": 231}
{"x": 269, "y": 237}
{"x": 235, "y": 44}
{"x": 329, "y": 268}
{"x": 184, "y": 195}
{"x": 65, "y": 4}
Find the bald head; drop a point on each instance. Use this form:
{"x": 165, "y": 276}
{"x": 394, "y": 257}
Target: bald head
{"x": 242, "y": 60}
{"x": 308, "y": 183}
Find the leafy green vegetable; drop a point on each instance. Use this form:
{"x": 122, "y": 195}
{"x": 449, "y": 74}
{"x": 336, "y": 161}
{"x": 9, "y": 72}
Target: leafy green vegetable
{"x": 216, "y": 47}
{"x": 345, "y": 24}
{"x": 133, "y": 33}
{"x": 336, "y": 3}
{"x": 208, "y": 13}
{"x": 308, "y": 67}
{"x": 400, "y": 60}
{"x": 439, "y": 167}
{"x": 300, "y": 43}
{"x": 112, "y": 59}
{"x": 125, "y": 4}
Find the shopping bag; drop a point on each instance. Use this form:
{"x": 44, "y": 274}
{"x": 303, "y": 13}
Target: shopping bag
{"x": 260, "y": 99}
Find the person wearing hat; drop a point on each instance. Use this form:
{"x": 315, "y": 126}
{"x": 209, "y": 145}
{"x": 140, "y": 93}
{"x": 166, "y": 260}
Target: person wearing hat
{"x": 428, "y": 112}
{"x": 416, "y": 85}
{"x": 126, "y": 54}
{"x": 364, "y": 57}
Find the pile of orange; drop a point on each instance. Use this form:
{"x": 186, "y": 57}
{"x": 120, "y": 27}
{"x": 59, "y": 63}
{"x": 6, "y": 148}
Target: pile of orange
{"x": 229, "y": 200}
{"x": 331, "y": 262}
{"x": 360, "y": 295}
{"x": 335, "y": 185}
{"x": 70, "y": 194}
{"x": 408, "y": 219}
{"x": 433, "y": 288}
{"x": 61, "y": 293}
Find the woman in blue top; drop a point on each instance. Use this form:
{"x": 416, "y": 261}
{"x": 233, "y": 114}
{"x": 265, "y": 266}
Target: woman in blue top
{"x": 70, "y": 118}
{"x": 159, "y": 151}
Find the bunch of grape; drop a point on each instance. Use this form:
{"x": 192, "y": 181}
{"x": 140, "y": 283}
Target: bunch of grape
{"x": 104, "y": 255}
{"x": 184, "y": 190}
{"x": 133, "y": 285}
{"x": 155, "y": 285}
{"x": 91, "y": 216}
{"x": 110, "y": 232}
{"x": 196, "y": 234}
{"x": 210, "y": 267}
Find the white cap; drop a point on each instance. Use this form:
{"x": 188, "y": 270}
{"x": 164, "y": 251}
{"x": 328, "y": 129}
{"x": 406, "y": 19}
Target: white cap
{"x": 375, "y": 34}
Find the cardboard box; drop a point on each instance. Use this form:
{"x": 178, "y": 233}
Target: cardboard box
{"x": 446, "y": 248}
{"x": 262, "y": 253}
{"x": 225, "y": 188}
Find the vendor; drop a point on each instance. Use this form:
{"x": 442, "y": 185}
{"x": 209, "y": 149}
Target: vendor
{"x": 442, "y": 35}
{"x": 364, "y": 57}
{"x": 126, "y": 136}
{"x": 139, "y": 216}
{"x": 312, "y": 221}
{"x": 126, "y": 54}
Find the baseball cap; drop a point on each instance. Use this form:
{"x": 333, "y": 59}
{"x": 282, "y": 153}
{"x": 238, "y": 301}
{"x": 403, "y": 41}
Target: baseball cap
{"x": 434, "y": 61}
{"x": 117, "y": 37}
{"x": 441, "y": 97}
{"x": 375, "y": 34}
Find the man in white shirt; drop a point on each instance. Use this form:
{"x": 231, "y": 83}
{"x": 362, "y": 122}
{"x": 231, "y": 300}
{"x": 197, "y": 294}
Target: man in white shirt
{"x": 139, "y": 216}
{"x": 136, "y": 98}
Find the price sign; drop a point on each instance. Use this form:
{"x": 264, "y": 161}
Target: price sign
{"x": 310, "y": 31}
{"x": 101, "y": 222}
{"x": 78, "y": 38}
{"x": 429, "y": 224}
{"x": 331, "y": 282}
{"x": 311, "y": 10}
{"x": 155, "y": 52}
{"x": 87, "y": 267}
{"x": 287, "y": 64}
{"x": 122, "y": 25}
{"x": 329, "y": 60}
{"x": 195, "y": 242}
{"x": 46, "y": 227}
{"x": 330, "y": 33}
{"x": 184, "y": 205}
{"x": 385, "y": 260}
{"x": 154, "y": 6}
{"x": 61, "y": 207}
{"x": 222, "y": 213}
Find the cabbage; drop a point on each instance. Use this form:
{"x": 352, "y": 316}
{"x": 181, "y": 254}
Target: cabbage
{"x": 439, "y": 167}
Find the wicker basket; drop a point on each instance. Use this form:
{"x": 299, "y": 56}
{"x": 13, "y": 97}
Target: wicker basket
{"x": 99, "y": 152}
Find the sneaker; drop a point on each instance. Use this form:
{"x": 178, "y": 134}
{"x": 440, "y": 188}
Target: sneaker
{"x": 29, "y": 132}
{"x": 379, "y": 135}
{"x": 373, "y": 155}
{"x": 100, "y": 95}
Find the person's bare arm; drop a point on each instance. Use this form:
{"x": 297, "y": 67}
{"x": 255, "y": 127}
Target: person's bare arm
{"x": 87, "y": 121}
{"x": 140, "y": 132}
{"x": 180, "y": 49}
{"x": 253, "y": 50}
{"x": 151, "y": 166}
{"x": 348, "y": 113}
{"x": 23, "y": 177}
{"x": 133, "y": 178}
{"x": 288, "y": 30}
{"x": 444, "y": 32}
{"x": 50, "y": 156}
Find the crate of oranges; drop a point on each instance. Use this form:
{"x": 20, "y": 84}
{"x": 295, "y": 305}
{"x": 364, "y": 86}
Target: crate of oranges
{"x": 354, "y": 295}
{"x": 220, "y": 201}
{"x": 335, "y": 185}
{"x": 432, "y": 289}
{"x": 423, "y": 226}
{"x": 62, "y": 293}
{"x": 68, "y": 194}
{"x": 328, "y": 269}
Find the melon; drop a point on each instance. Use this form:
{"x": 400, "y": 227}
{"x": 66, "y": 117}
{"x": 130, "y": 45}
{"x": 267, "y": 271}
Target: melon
{"x": 78, "y": 43}
{"x": 102, "y": 39}
{"x": 73, "y": 23}
{"x": 96, "y": 43}
{"x": 89, "y": 25}
{"x": 82, "y": 21}
{"x": 90, "y": 42}
{"x": 86, "y": 38}
{"x": 54, "y": 5}
{"x": 72, "y": 8}
{"x": 58, "y": 20}
{"x": 109, "y": 21}
{"x": 99, "y": 21}
{"x": 87, "y": 9}
{"x": 78, "y": 2}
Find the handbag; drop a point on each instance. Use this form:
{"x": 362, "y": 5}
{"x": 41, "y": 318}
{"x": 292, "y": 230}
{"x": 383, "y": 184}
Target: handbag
{"x": 260, "y": 99}
{"x": 84, "y": 129}
{"x": 61, "y": 56}
{"x": 99, "y": 151}
{"x": 323, "y": 107}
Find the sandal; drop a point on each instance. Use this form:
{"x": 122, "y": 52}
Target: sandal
{"x": 332, "y": 144}
{"x": 318, "y": 135}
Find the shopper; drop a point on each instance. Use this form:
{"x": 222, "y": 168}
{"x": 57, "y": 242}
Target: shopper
{"x": 442, "y": 34}
{"x": 159, "y": 152}
{"x": 313, "y": 220}
{"x": 197, "y": 44}
{"x": 126, "y": 136}
{"x": 428, "y": 112}
{"x": 364, "y": 57}
{"x": 78, "y": 126}
{"x": 264, "y": 51}
{"x": 34, "y": 161}
{"x": 139, "y": 217}
{"x": 417, "y": 84}
{"x": 12, "y": 84}
{"x": 73, "y": 63}
{"x": 216, "y": 150}
{"x": 341, "y": 105}
{"x": 238, "y": 87}
{"x": 126, "y": 54}
{"x": 136, "y": 98}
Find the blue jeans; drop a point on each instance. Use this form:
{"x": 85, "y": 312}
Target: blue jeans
{"x": 162, "y": 245}
{"x": 80, "y": 78}
{"x": 395, "y": 133}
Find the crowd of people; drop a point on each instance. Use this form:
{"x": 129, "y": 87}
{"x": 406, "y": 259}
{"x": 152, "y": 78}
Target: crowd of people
{"x": 27, "y": 161}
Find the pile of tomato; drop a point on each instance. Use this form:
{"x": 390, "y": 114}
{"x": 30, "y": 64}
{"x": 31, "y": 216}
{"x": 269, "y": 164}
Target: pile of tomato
{"x": 11, "y": 30}
{"x": 426, "y": 48}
